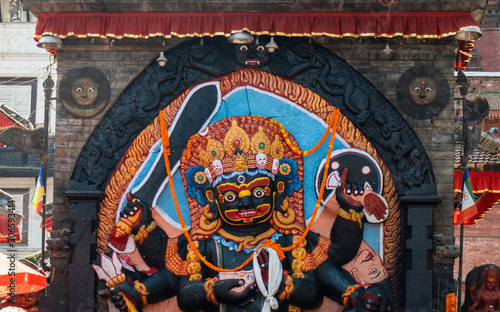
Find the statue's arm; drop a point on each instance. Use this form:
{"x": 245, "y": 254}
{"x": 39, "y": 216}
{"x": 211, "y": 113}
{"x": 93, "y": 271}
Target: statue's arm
{"x": 355, "y": 204}
{"x": 140, "y": 292}
{"x": 347, "y": 231}
{"x": 192, "y": 295}
{"x": 340, "y": 286}
{"x": 306, "y": 293}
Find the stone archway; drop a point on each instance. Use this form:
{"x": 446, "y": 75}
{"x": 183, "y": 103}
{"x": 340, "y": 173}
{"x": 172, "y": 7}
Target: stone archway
{"x": 298, "y": 65}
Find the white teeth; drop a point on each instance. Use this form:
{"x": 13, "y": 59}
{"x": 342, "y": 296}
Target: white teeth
{"x": 247, "y": 213}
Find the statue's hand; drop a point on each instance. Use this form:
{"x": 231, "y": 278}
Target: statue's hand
{"x": 224, "y": 293}
{"x": 354, "y": 196}
{"x": 376, "y": 207}
{"x": 370, "y": 300}
{"x": 349, "y": 196}
{"x": 119, "y": 301}
{"x": 125, "y": 297}
{"x": 137, "y": 211}
{"x": 132, "y": 218}
{"x": 318, "y": 60}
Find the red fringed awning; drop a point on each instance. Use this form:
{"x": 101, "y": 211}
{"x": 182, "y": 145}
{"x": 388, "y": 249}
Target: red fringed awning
{"x": 485, "y": 183}
{"x": 296, "y": 24}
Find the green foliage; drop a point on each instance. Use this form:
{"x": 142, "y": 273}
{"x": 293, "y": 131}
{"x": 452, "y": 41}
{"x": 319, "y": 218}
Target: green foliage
{"x": 35, "y": 258}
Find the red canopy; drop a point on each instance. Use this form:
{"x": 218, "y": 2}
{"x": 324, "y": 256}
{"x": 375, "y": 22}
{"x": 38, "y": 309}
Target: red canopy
{"x": 26, "y": 279}
{"x": 487, "y": 185}
{"x": 297, "y": 24}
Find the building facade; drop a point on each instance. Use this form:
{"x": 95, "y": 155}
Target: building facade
{"x": 353, "y": 56}
{"x": 24, "y": 67}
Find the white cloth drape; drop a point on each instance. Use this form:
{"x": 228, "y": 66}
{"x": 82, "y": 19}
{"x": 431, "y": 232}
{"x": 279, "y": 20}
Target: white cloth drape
{"x": 274, "y": 278}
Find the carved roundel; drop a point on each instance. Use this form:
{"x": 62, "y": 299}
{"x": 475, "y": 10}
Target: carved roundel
{"x": 84, "y": 92}
{"x": 364, "y": 171}
{"x": 422, "y": 92}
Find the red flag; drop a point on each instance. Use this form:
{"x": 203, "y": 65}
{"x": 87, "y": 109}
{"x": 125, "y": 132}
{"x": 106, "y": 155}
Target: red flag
{"x": 48, "y": 224}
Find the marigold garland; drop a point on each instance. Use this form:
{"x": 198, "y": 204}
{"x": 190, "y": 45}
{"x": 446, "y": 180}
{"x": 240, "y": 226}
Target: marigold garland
{"x": 451, "y": 302}
{"x": 296, "y": 150}
{"x": 332, "y": 125}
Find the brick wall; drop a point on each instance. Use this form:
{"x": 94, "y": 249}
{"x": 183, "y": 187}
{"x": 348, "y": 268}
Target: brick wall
{"x": 489, "y": 49}
{"x": 481, "y": 243}
{"x": 489, "y": 84}
{"x": 120, "y": 68}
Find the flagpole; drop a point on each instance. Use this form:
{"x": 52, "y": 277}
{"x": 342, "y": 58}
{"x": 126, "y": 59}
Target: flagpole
{"x": 463, "y": 86}
{"x": 460, "y": 262}
{"x": 48, "y": 84}
{"x": 461, "y": 256}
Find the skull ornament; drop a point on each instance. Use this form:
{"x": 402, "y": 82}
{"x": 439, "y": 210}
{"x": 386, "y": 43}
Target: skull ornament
{"x": 208, "y": 175}
{"x": 261, "y": 160}
{"x": 276, "y": 165}
{"x": 217, "y": 166}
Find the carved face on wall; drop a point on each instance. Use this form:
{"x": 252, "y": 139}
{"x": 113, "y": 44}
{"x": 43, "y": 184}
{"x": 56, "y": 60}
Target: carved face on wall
{"x": 423, "y": 90}
{"x": 84, "y": 91}
{"x": 251, "y": 55}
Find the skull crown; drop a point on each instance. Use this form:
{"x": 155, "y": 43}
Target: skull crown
{"x": 239, "y": 151}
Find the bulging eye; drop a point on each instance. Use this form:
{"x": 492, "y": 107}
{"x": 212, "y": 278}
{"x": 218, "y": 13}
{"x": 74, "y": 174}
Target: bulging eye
{"x": 259, "y": 193}
{"x": 230, "y": 197}
{"x": 261, "y": 48}
{"x": 244, "y": 48}
{"x": 79, "y": 90}
{"x": 428, "y": 89}
{"x": 90, "y": 89}
{"x": 373, "y": 271}
{"x": 417, "y": 89}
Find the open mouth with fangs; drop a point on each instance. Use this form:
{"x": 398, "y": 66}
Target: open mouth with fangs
{"x": 252, "y": 62}
{"x": 247, "y": 215}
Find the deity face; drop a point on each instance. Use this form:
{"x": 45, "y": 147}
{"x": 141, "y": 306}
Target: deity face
{"x": 28, "y": 300}
{"x": 84, "y": 91}
{"x": 368, "y": 267}
{"x": 491, "y": 279}
{"x": 251, "y": 55}
{"x": 423, "y": 90}
{"x": 245, "y": 199}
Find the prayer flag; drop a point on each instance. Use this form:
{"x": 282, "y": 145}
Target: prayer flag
{"x": 469, "y": 208}
{"x": 37, "y": 198}
{"x": 48, "y": 224}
